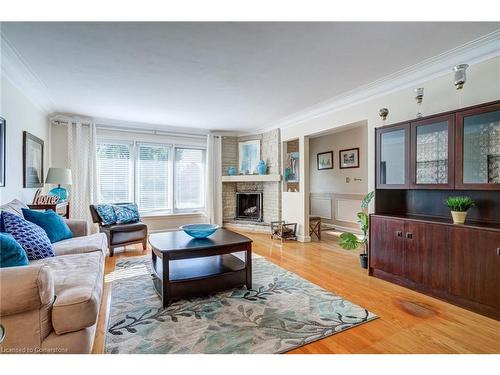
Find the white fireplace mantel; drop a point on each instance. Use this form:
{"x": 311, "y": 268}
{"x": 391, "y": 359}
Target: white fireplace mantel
{"x": 252, "y": 178}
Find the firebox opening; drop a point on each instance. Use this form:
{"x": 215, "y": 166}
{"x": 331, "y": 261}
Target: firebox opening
{"x": 249, "y": 206}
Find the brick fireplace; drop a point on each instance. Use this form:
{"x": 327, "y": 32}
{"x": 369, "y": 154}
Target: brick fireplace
{"x": 268, "y": 191}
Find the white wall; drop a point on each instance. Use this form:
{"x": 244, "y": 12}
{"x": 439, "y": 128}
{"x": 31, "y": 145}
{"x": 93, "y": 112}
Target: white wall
{"x": 335, "y": 194}
{"x": 334, "y": 180}
{"x": 20, "y": 114}
{"x": 440, "y": 96}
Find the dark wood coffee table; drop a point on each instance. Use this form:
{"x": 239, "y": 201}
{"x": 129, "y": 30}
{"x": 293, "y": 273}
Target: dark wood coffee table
{"x": 184, "y": 266}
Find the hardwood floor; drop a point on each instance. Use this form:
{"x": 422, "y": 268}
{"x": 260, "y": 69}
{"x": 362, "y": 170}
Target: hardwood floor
{"x": 409, "y": 322}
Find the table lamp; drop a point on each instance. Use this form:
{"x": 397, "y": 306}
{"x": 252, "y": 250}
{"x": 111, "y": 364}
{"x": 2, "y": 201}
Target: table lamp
{"x": 58, "y": 176}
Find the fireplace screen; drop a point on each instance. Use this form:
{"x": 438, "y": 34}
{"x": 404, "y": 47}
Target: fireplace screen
{"x": 249, "y": 206}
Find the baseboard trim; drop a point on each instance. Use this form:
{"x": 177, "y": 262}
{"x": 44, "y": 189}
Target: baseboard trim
{"x": 303, "y": 238}
{"x": 341, "y": 228}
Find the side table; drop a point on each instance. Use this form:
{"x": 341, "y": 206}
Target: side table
{"x": 61, "y": 208}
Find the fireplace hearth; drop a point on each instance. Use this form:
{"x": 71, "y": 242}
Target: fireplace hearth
{"x": 249, "y": 206}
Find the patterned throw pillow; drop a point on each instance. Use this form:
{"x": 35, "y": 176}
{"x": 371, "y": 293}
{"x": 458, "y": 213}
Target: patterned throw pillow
{"x": 30, "y": 236}
{"x": 106, "y": 213}
{"x": 126, "y": 213}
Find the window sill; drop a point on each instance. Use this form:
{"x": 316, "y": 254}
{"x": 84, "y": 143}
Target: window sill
{"x": 160, "y": 215}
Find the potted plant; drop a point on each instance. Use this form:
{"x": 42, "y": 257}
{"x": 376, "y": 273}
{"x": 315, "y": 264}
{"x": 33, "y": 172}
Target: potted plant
{"x": 350, "y": 241}
{"x": 459, "y": 207}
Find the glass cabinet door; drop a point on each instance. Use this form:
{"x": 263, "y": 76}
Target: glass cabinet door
{"x": 479, "y": 155}
{"x": 432, "y": 153}
{"x": 392, "y": 157}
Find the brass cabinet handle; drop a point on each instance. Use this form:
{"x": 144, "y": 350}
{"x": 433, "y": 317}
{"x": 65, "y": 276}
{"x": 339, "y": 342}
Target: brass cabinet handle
{"x": 399, "y": 233}
{"x": 498, "y": 250}
{"x": 409, "y": 235}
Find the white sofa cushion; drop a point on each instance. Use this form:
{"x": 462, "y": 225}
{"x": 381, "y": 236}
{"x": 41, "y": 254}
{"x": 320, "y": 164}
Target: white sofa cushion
{"x": 15, "y": 207}
{"x": 79, "y": 245}
{"x": 78, "y": 284}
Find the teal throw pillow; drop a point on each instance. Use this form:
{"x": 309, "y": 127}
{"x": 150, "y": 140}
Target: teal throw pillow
{"x": 11, "y": 252}
{"x": 106, "y": 213}
{"x": 52, "y": 223}
{"x": 126, "y": 213}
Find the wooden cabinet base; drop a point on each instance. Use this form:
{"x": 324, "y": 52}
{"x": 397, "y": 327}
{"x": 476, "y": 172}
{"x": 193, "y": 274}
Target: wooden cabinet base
{"x": 455, "y": 300}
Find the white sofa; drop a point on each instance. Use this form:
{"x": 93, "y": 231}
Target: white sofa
{"x": 52, "y": 305}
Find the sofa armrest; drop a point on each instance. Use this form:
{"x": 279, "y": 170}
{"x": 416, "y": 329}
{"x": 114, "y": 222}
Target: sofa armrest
{"x": 78, "y": 227}
{"x": 25, "y": 288}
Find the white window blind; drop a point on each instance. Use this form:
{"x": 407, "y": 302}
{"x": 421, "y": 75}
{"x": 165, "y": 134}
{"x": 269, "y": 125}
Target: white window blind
{"x": 189, "y": 178}
{"x": 114, "y": 172}
{"x": 153, "y": 177}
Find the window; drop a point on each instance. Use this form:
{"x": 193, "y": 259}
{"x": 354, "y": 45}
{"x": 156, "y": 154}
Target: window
{"x": 114, "y": 170}
{"x": 189, "y": 178}
{"x": 158, "y": 177}
{"x": 153, "y": 176}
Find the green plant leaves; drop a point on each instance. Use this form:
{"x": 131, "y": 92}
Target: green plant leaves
{"x": 363, "y": 221}
{"x": 349, "y": 241}
{"x": 367, "y": 199}
{"x": 460, "y": 204}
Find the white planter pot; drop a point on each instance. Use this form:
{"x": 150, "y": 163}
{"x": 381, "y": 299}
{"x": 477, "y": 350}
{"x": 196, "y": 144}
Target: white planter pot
{"x": 458, "y": 217}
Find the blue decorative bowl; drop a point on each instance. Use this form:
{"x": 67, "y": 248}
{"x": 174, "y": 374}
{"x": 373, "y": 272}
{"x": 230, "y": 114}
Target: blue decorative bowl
{"x": 199, "y": 230}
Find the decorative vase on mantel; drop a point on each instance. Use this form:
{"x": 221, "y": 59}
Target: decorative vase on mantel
{"x": 262, "y": 167}
{"x": 231, "y": 171}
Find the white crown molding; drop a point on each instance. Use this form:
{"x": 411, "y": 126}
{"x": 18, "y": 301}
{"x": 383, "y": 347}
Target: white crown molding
{"x": 478, "y": 50}
{"x": 21, "y": 76}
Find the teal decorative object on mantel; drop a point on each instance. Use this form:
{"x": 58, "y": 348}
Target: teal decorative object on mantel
{"x": 231, "y": 171}
{"x": 262, "y": 167}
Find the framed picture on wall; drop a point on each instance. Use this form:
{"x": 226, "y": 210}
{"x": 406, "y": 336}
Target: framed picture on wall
{"x": 325, "y": 160}
{"x": 32, "y": 161}
{"x": 2, "y": 151}
{"x": 248, "y": 156}
{"x": 349, "y": 158}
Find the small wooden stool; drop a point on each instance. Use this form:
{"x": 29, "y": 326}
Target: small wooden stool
{"x": 315, "y": 226}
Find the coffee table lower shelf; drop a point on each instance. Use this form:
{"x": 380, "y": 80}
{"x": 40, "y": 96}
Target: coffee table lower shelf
{"x": 198, "y": 276}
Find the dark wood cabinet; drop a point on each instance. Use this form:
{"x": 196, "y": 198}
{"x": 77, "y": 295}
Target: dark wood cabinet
{"x": 453, "y": 150}
{"x": 478, "y": 148}
{"x": 475, "y": 265}
{"x": 432, "y": 153}
{"x": 426, "y": 259}
{"x": 460, "y": 264}
{"x": 418, "y": 164}
{"x": 388, "y": 234}
{"x": 392, "y": 156}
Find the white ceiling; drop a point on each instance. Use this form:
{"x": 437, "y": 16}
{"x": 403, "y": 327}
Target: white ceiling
{"x": 219, "y": 76}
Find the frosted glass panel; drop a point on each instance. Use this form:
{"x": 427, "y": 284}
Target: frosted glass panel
{"x": 392, "y": 157}
{"x": 432, "y": 153}
{"x": 481, "y": 161}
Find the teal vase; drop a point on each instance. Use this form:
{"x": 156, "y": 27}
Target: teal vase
{"x": 231, "y": 171}
{"x": 262, "y": 167}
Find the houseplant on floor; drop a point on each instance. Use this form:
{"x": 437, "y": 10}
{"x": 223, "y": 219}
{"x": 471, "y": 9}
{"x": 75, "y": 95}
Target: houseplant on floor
{"x": 459, "y": 207}
{"x": 349, "y": 241}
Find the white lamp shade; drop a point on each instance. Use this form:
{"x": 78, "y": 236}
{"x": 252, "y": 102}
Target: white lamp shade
{"x": 59, "y": 176}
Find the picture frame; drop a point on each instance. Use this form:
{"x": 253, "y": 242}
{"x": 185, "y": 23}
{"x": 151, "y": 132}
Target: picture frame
{"x": 248, "y": 156}
{"x": 324, "y": 160}
{"x": 349, "y": 158}
{"x": 3, "y": 154}
{"x": 32, "y": 161}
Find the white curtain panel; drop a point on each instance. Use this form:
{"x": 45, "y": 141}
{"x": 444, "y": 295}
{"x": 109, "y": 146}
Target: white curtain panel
{"x": 82, "y": 162}
{"x": 213, "y": 192}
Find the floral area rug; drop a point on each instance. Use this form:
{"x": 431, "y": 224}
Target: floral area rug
{"x": 281, "y": 312}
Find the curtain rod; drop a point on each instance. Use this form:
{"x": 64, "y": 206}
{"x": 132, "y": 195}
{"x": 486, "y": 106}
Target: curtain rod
{"x": 65, "y": 121}
{"x": 150, "y": 131}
